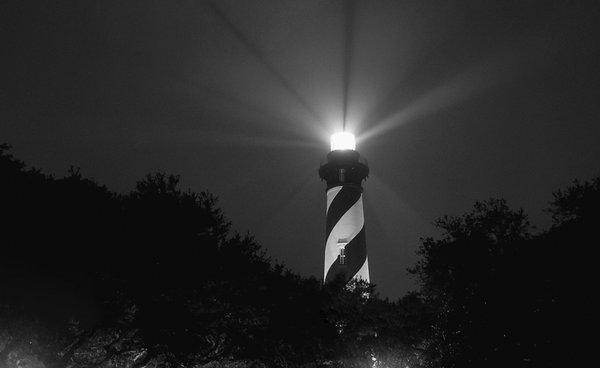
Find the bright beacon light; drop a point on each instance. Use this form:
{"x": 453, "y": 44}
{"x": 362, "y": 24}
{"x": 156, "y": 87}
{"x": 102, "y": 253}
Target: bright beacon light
{"x": 342, "y": 141}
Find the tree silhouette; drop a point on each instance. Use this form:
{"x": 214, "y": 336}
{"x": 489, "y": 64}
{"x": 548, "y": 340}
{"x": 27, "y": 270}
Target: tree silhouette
{"x": 502, "y": 296}
{"x": 156, "y": 277}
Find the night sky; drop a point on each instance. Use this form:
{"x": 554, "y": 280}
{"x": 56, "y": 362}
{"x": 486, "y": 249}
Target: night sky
{"x": 452, "y": 102}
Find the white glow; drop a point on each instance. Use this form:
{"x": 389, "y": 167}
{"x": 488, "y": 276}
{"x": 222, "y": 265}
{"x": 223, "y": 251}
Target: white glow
{"x": 343, "y": 141}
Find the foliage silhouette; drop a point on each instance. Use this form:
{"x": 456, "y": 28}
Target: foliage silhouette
{"x": 502, "y": 296}
{"x": 156, "y": 277}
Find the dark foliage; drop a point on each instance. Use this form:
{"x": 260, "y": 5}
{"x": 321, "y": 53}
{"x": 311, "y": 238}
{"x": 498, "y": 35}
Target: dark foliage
{"x": 504, "y": 297}
{"x": 155, "y": 277}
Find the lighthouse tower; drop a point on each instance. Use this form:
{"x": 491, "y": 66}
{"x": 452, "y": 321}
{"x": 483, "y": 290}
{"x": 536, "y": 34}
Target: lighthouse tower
{"x": 345, "y": 246}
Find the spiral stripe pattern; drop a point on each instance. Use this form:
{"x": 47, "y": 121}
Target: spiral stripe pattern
{"x": 345, "y": 229}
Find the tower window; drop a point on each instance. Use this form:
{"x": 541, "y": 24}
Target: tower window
{"x": 342, "y": 247}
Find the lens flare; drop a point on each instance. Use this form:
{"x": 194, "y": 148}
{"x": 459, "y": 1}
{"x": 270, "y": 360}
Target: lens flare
{"x": 343, "y": 141}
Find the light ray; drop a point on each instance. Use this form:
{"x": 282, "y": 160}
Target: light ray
{"x": 509, "y": 61}
{"x": 464, "y": 87}
{"x": 263, "y": 116}
{"x": 348, "y": 48}
{"x": 257, "y": 52}
{"x": 225, "y": 139}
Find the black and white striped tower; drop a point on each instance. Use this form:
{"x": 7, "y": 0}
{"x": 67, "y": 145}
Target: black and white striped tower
{"x": 345, "y": 246}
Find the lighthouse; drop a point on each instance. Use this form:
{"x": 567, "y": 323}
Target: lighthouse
{"x": 345, "y": 244}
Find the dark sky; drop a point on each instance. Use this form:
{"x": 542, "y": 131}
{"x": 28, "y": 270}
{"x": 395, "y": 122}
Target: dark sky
{"x": 452, "y": 102}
